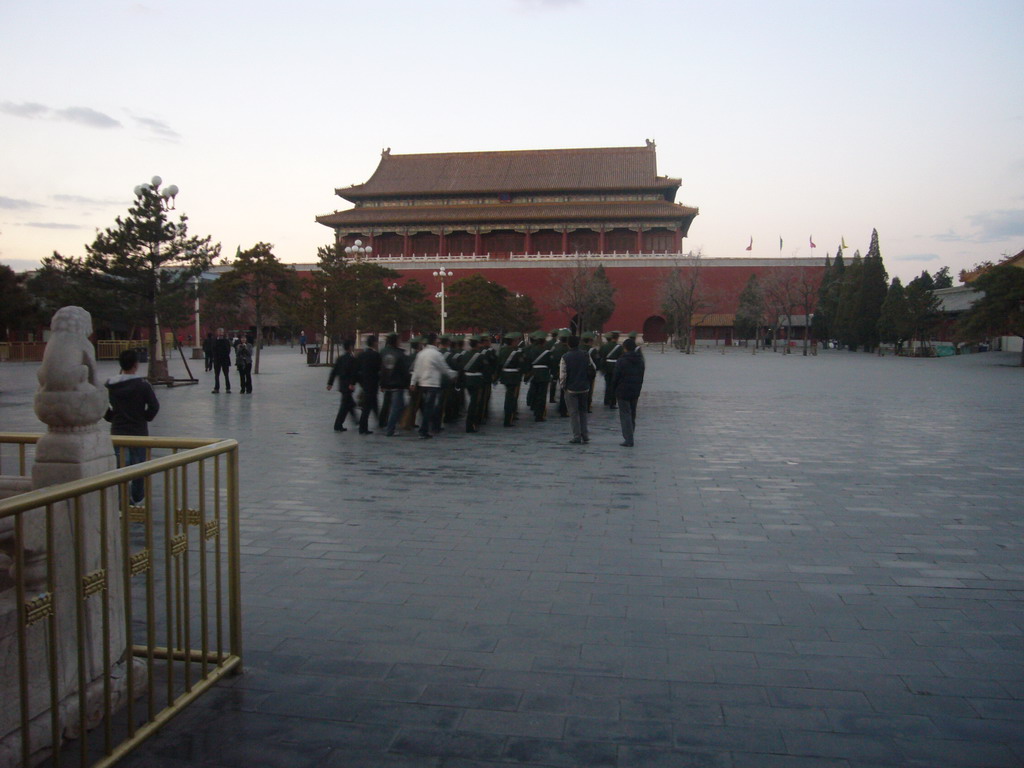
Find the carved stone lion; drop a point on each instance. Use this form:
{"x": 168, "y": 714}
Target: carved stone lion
{"x": 69, "y": 395}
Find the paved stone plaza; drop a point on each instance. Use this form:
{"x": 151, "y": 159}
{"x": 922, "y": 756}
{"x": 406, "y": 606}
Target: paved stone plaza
{"x": 804, "y": 562}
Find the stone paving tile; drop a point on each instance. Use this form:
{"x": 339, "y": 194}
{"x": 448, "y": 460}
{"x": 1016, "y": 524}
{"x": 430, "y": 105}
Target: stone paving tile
{"x": 805, "y": 562}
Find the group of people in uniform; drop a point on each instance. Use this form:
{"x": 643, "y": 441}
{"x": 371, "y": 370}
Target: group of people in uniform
{"x": 473, "y": 366}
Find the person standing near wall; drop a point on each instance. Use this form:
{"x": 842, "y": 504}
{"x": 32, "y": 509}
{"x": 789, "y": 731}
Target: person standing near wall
{"x": 243, "y": 362}
{"x": 627, "y": 381}
{"x": 574, "y": 380}
{"x": 221, "y": 361}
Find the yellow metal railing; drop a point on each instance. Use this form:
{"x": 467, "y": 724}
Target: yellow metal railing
{"x": 122, "y": 615}
{"x": 21, "y": 351}
{"x": 110, "y": 349}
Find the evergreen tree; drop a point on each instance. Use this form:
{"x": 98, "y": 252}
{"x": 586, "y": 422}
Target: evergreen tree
{"x": 922, "y": 307}
{"x": 1000, "y": 310}
{"x": 894, "y": 319}
{"x": 17, "y": 308}
{"x": 258, "y": 283}
{"x": 750, "y": 312}
{"x": 141, "y": 270}
{"x": 825, "y": 311}
{"x": 846, "y": 325}
{"x": 943, "y": 279}
{"x": 819, "y": 324}
{"x": 874, "y": 283}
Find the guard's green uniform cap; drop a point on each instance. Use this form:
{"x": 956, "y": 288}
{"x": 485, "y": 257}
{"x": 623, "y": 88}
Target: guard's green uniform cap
{"x": 609, "y": 334}
{"x": 445, "y": 337}
{"x": 632, "y": 334}
{"x": 538, "y": 335}
{"x": 587, "y": 336}
{"x": 563, "y": 333}
{"x": 512, "y": 335}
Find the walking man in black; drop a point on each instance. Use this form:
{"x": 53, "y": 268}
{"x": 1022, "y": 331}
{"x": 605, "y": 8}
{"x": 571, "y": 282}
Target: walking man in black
{"x": 369, "y": 380}
{"x": 346, "y": 371}
{"x": 221, "y": 361}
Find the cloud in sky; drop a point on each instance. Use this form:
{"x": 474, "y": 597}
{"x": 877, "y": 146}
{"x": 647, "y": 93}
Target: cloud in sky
{"x": 82, "y": 200}
{"x": 918, "y": 257}
{"x": 14, "y": 204}
{"x": 81, "y": 115}
{"x": 158, "y": 128}
{"x": 52, "y": 225}
{"x": 989, "y": 227}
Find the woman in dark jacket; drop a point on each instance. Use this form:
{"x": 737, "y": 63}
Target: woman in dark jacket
{"x": 627, "y": 381}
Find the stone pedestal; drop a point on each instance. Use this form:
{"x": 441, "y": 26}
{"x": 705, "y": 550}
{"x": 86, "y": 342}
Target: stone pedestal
{"x": 71, "y": 402}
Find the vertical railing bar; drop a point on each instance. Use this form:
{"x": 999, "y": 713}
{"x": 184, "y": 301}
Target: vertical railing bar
{"x": 150, "y": 606}
{"x": 78, "y": 540}
{"x": 126, "y": 580}
{"x": 19, "y": 589}
{"x": 204, "y": 599}
{"x": 217, "y": 557}
{"x": 169, "y": 588}
{"x": 234, "y": 558}
{"x": 53, "y": 630}
{"x": 186, "y": 580}
{"x": 108, "y": 734}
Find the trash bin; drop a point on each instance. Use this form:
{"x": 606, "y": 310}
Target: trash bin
{"x": 143, "y": 353}
{"x": 312, "y": 355}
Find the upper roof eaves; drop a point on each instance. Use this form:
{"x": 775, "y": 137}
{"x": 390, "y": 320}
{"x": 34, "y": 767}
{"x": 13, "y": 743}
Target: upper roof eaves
{"x": 540, "y": 170}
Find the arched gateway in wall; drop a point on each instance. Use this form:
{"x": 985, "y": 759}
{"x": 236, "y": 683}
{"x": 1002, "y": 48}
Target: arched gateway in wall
{"x": 655, "y": 330}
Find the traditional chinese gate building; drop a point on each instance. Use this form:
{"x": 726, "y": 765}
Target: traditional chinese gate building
{"x": 522, "y": 218}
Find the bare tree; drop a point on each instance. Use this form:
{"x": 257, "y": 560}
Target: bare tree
{"x": 586, "y": 295}
{"x": 686, "y": 300}
{"x": 788, "y": 294}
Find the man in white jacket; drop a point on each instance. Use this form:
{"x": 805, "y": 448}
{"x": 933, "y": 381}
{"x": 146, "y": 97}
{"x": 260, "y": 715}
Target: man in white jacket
{"x": 428, "y": 372}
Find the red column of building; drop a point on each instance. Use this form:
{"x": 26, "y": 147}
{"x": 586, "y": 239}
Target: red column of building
{"x": 440, "y": 243}
{"x": 527, "y": 243}
{"x": 639, "y": 239}
{"x": 600, "y": 240}
{"x": 565, "y": 240}
{"x": 679, "y": 240}
{"x": 477, "y": 242}
{"x": 406, "y": 245}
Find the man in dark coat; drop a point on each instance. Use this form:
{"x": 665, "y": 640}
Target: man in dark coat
{"x": 133, "y": 405}
{"x": 346, "y": 371}
{"x": 627, "y": 381}
{"x": 369, "y": 380}
{"x": 394, "y": 380}
{"x": 208, "y": 351}
{"x": 221, "y": 361}
{"x": 574, "y": 377}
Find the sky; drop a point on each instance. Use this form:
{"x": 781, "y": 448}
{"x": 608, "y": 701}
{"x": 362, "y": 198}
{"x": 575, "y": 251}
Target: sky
{"x": 789, "y": 120}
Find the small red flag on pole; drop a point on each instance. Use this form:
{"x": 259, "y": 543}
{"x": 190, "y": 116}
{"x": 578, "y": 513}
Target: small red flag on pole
{"x": 812, "y": 242}
{"x": 751, "y": 246}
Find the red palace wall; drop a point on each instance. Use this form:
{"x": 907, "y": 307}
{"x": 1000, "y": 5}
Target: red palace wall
{"x": 638, "y": 281}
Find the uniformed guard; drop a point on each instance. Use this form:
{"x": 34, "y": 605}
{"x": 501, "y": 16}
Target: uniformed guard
{"x": 611, "y": 350}
{"x": 510, "y": 374}
{"x": 490, "y": 355}
{"x": 457, "y": 399}
{"x": 412, "y": 408}
{"x": 560, "y": 348}
{"x": 539, "y": 375}
{"x": 473, "y": 378}
{"x": 587, "y": 345}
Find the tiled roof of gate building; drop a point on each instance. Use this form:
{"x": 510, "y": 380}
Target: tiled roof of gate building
{"x": 535, "y": 170}
{"x": 512, "y": 213}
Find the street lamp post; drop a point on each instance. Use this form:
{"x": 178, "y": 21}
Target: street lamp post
{"x": 358, "y": 251}
{"x": 158, "y": 365}
{"x": 198, "y": 339}
{"x": 442, "y": 274}
{"x": 391, "y": 289}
